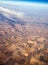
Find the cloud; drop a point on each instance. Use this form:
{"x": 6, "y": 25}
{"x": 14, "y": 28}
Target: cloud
{"x": 8, "y": 12}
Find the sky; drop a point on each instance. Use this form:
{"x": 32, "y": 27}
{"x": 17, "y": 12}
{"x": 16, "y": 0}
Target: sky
{"x": 40, "y": 1}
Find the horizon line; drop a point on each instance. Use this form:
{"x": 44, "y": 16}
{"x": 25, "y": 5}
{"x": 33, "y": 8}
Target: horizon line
{"x": 39, "y": 3}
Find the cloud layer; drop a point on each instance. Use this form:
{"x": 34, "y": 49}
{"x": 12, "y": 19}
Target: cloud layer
{"x": 10, "y": 12}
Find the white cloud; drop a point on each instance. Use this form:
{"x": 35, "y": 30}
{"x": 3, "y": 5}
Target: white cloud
{"x": 8, "y": 12}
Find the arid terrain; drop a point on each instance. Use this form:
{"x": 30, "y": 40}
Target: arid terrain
{"x": 23, "y": 42}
